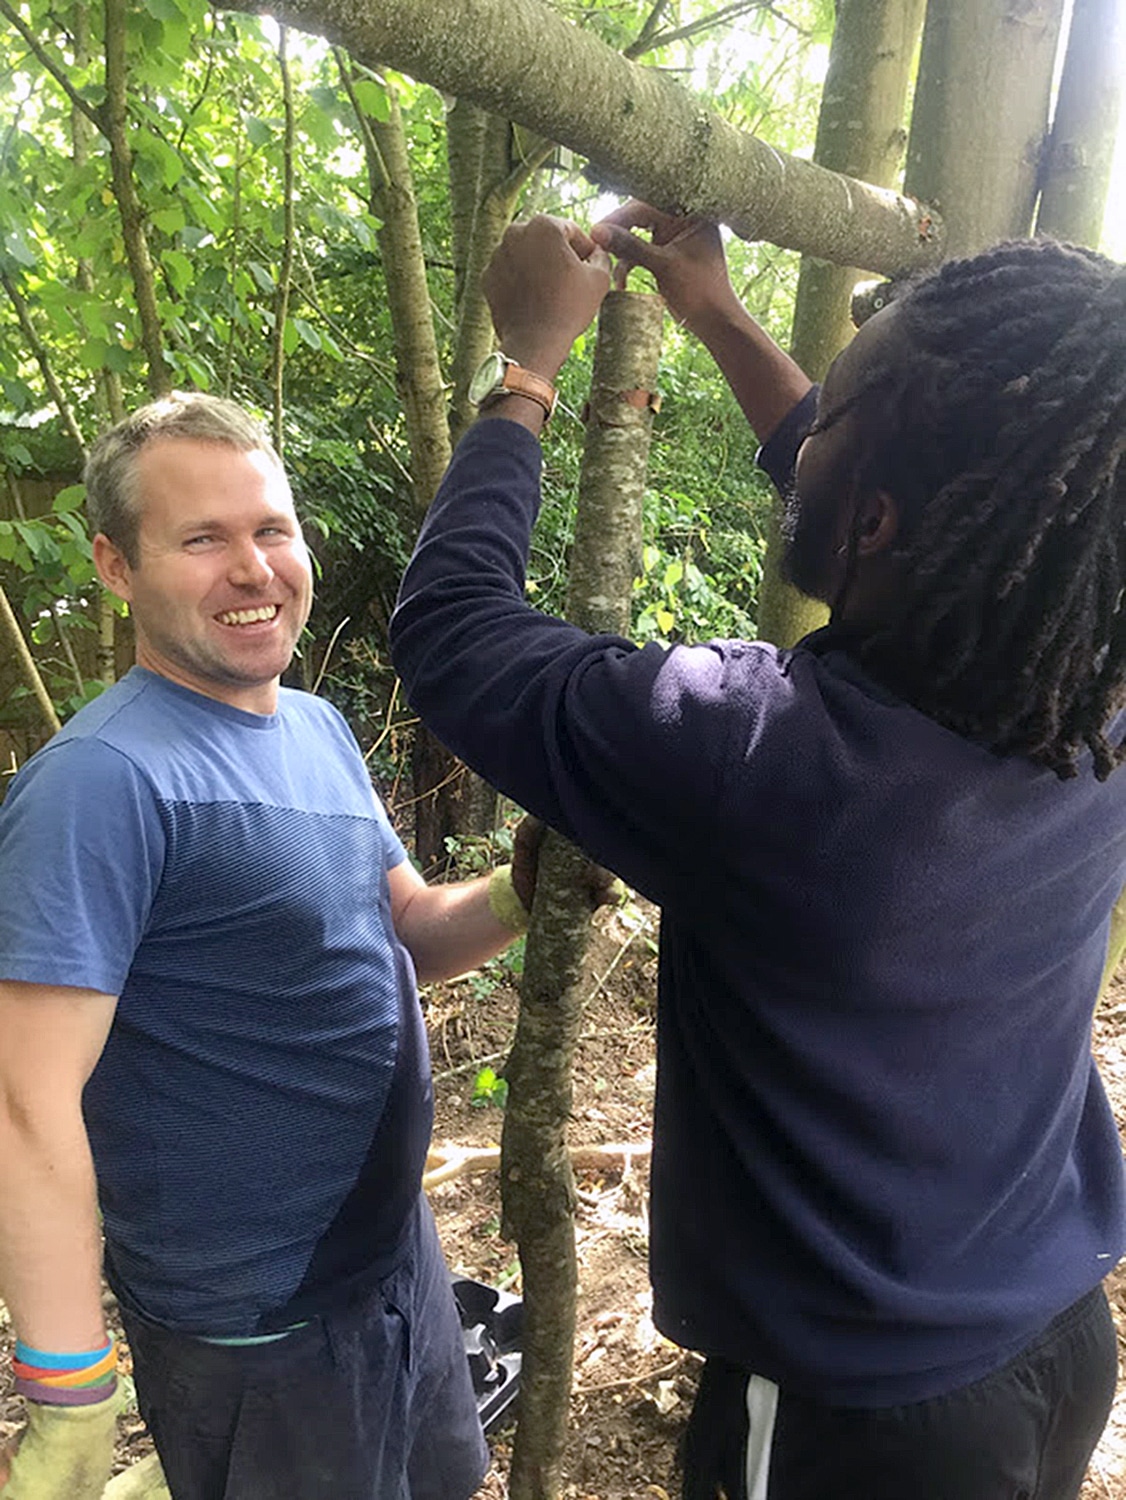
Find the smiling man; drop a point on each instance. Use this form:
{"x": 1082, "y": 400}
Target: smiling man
{"x": 886, "y": 1181}
{"x": 209, "y": 940}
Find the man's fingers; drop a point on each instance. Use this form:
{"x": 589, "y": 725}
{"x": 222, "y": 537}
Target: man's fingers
{"x": 577, "y": 237}
{"x": 627, "y": 247}
{"x": 637, "y": 215}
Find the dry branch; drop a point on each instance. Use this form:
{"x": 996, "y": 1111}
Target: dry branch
{"x": 450, "y": 1162}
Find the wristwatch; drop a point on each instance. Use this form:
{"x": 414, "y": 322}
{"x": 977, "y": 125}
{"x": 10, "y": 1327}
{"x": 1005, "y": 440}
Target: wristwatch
{"x": 497, "y": 375}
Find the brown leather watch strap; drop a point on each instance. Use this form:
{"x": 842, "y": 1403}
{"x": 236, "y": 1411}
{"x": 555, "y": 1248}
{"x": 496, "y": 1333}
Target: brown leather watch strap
{"x": 521, "y": 382}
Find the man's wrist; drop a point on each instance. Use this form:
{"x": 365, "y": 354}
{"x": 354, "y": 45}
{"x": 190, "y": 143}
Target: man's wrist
{"x": 513, "y": 407}
{"x": 505, "y": 904}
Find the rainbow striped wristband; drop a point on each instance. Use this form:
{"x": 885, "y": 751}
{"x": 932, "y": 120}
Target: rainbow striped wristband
{"x": 81, "y": 1379}
{"x": 66, "y": 1363}
{"x": 46, "y": 1395}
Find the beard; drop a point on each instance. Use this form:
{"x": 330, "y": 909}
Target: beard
{"x": 809, "y": 537}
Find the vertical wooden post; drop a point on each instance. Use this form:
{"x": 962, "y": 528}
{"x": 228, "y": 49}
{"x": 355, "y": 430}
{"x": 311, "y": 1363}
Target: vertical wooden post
{"x": 536, "y": 1181}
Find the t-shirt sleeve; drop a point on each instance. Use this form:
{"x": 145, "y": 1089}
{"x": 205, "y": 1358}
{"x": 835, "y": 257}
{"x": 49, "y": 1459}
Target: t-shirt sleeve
{"x": 393, "y": 851}
{"x": 82, "y": 848}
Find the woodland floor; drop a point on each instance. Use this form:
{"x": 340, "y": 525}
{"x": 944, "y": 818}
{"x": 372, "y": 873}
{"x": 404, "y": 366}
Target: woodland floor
{"x": 632, "y": 1389}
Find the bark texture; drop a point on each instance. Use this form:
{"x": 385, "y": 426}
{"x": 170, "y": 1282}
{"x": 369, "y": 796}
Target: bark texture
{"x": 980, "y": 119}
{"x": 113, "y": 118}
{"x": 487, "y": 175}
{"x": 418, "y": 372}
{"x": 28, "y": 669}
{"x": 537, "y": 1185}
{"x": 1080, "y": 151}
{"x": 646, "y": 134}
{"x": 860, "y": 130}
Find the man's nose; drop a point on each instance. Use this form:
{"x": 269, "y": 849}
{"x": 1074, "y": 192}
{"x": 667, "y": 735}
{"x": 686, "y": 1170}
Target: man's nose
{"x": 249, "y": 565}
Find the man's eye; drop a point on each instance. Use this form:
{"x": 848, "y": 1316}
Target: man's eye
{"x": 199, "y": 541}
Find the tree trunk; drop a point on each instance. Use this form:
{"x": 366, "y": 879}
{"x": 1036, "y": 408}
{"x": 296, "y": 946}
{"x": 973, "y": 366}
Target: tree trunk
{"x": 1081, "y": 146}
{"x": 859, "y": 131}
{"x": 115, "y": 128}
{"x": 981, "y": 115}
{"x": 465, "y": 144}
{"x": 110, "y": 400}
{"x": 30, "y": 672}
{"x": 647, "y": 135}
{"x": 452, "y": 802}
{"x": 537, "y": 1184}
{"x": 418, "y": 373}
{"x": 285, "y": 265}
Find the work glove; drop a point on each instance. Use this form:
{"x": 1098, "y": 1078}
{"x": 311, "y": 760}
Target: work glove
{"x": 143, "y": 1481}
{"x": 599, "y": 886}
{"x": 65, "y": 1452}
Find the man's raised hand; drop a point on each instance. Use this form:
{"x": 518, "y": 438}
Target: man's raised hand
{"x": 684, "y": 254}
{"x": 544, "y": 284}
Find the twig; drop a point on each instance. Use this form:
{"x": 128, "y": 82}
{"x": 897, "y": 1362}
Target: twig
{"x": 328, "y": 652}
{"x": 487, "y": 1159}
{"x": 688, "y": 1356}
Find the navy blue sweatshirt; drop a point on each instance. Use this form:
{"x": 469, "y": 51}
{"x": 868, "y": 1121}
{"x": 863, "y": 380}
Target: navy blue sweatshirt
{"x": 883, "y": 1159}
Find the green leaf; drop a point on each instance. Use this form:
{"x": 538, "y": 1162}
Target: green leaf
{"x": 180, "y": 269}
{"x": 307, "y": 333}
{"x": 169, "y": 220}
{"x": 199, "y": 372}
{"x": 164, "y": 10}
{"x": 261, "y": 275}
{"x": 290, "y": 337}
{"x": 372, "y": 99}
{"x": 117, "y": 359}
{"x": 192, "y": 237}
{"x": 18, "y": 394}
{"x": 69, "y": 499}
{"x": 15, "y": 244}
{"x": 259, "y": 132}
{"x": 665, "y": 621}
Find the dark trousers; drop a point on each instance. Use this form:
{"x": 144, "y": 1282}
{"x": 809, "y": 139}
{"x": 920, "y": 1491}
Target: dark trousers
{"x": 371, "y": 1403}
{"x": 1026, "y": 1432}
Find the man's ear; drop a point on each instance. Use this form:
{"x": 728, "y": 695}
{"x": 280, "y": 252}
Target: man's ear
{"x": 113, "y": 567}
{"x": 877, "y": 523}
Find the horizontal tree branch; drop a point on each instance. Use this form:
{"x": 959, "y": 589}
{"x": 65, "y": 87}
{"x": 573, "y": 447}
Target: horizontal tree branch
{"x": 643, "y": 132}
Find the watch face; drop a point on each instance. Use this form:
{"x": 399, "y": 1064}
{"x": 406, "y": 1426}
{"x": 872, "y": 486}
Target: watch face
{"x": 489, "y": 376}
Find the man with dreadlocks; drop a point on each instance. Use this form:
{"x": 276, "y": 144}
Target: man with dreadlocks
{"x": 886, "y": 1181}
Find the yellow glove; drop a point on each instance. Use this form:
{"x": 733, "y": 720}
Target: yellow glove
{"x": 65, "y": 1452}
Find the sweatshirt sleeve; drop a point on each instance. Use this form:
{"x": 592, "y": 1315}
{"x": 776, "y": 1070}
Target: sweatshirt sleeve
{"x": 619, "y": 748}
{"x": 779, "y": 453}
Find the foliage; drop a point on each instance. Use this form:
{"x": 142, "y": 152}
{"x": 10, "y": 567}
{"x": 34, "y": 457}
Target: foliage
{"x": 489, "y": 1088}
{"x": 206, "y": 130}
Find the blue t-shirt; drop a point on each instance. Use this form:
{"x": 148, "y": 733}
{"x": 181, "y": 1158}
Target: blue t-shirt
{"x": 260, "y": 1115}
{"x": 883, "y": 1159}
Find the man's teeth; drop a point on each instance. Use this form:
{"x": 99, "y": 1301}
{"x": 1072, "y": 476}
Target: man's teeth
{"x": 248, "y": 616}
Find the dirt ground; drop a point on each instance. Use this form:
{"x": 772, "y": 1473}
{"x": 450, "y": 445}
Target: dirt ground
{"x": 632, "y": 1389}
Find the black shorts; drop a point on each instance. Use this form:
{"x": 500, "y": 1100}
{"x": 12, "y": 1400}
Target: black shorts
{"x": 1026, "y": 1432}
{"x": 371, "y": 1403}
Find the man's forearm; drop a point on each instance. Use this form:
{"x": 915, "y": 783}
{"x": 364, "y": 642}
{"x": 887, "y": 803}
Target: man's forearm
{"x": 765, "y": 381}
{"x": 50, "y": 1237}
{"x": 449, "y": 929}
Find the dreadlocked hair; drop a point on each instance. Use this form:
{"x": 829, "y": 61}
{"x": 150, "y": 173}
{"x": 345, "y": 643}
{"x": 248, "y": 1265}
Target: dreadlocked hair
{"x": 1001, "y": 438}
